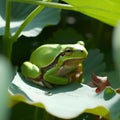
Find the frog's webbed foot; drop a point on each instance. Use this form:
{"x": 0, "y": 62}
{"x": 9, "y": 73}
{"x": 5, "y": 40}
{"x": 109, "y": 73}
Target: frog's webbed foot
{"x": 42, "y": 82}
{"x": 46, "y": 84}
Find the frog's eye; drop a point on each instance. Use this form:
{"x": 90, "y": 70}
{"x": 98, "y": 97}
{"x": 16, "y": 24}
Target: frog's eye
{"x": 68, "y": 51}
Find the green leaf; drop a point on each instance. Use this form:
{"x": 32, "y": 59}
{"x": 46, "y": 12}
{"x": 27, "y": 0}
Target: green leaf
{"x": 62, "y": 36}
{"x": 5, "y": 79}
{"x": 93, "y": 64}
{"x": 20, "y": 11}
{"x": 68, "y": 101}
{"x": 113, "y": 78}
{"x": 106, "y": 11}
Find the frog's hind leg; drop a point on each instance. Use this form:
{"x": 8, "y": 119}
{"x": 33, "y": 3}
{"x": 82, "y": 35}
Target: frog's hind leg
{"x": 34, "y": 74}
{"x": 30, "y": 70}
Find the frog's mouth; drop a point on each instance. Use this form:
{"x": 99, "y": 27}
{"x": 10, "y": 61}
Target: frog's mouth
{"x": 76, "y": 59}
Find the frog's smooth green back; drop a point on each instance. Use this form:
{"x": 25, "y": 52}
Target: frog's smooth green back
{"x": 45, "y": 54}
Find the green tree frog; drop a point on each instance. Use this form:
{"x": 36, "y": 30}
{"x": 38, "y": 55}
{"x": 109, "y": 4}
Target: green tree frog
{"x": 55, "y": 64}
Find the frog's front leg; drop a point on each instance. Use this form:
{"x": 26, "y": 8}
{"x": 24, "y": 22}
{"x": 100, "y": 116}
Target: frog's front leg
{"x": 78, "y": 75}
{"x": 52, "y": 77}
{"x": 73, "y": 73}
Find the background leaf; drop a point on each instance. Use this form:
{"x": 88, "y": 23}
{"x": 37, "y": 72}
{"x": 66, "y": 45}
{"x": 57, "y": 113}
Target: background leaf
{"x": 106, "y": 11}
{"x": 93, "y": 64}
{"x": 48, "y": 16}
{"x": 62, "y": 36}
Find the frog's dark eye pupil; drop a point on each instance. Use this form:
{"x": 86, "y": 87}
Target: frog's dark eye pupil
{"x": 68, "y": 51}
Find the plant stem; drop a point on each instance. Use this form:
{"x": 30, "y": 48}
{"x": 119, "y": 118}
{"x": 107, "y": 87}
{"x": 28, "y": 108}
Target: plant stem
{"x": 44, "y": 115}
{"x": 7, "y": 43}
{"x": 48, "y": 4}
{"x": 36, "y": 113}
{"x": 8, "y": 14}
{"x": 7, "y": 47}
{"x": 47, "y": 116}
{"x": 27, "y": 21}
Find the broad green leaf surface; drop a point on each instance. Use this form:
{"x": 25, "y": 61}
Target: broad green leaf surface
{"x": 48, "y": 16}
{"x": 5, "y": 79}
{"x": 106, "y": 11}
{"x": 68, "y": 101}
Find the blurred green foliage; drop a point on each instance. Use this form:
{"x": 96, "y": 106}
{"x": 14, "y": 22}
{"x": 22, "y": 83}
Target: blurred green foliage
{"x": 72, "y": 27}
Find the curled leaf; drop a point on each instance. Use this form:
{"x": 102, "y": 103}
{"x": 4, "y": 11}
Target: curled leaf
{"x": 99, "y": 82}
{"x": 117, "y": 90}
{"x": 106, "y": 10}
